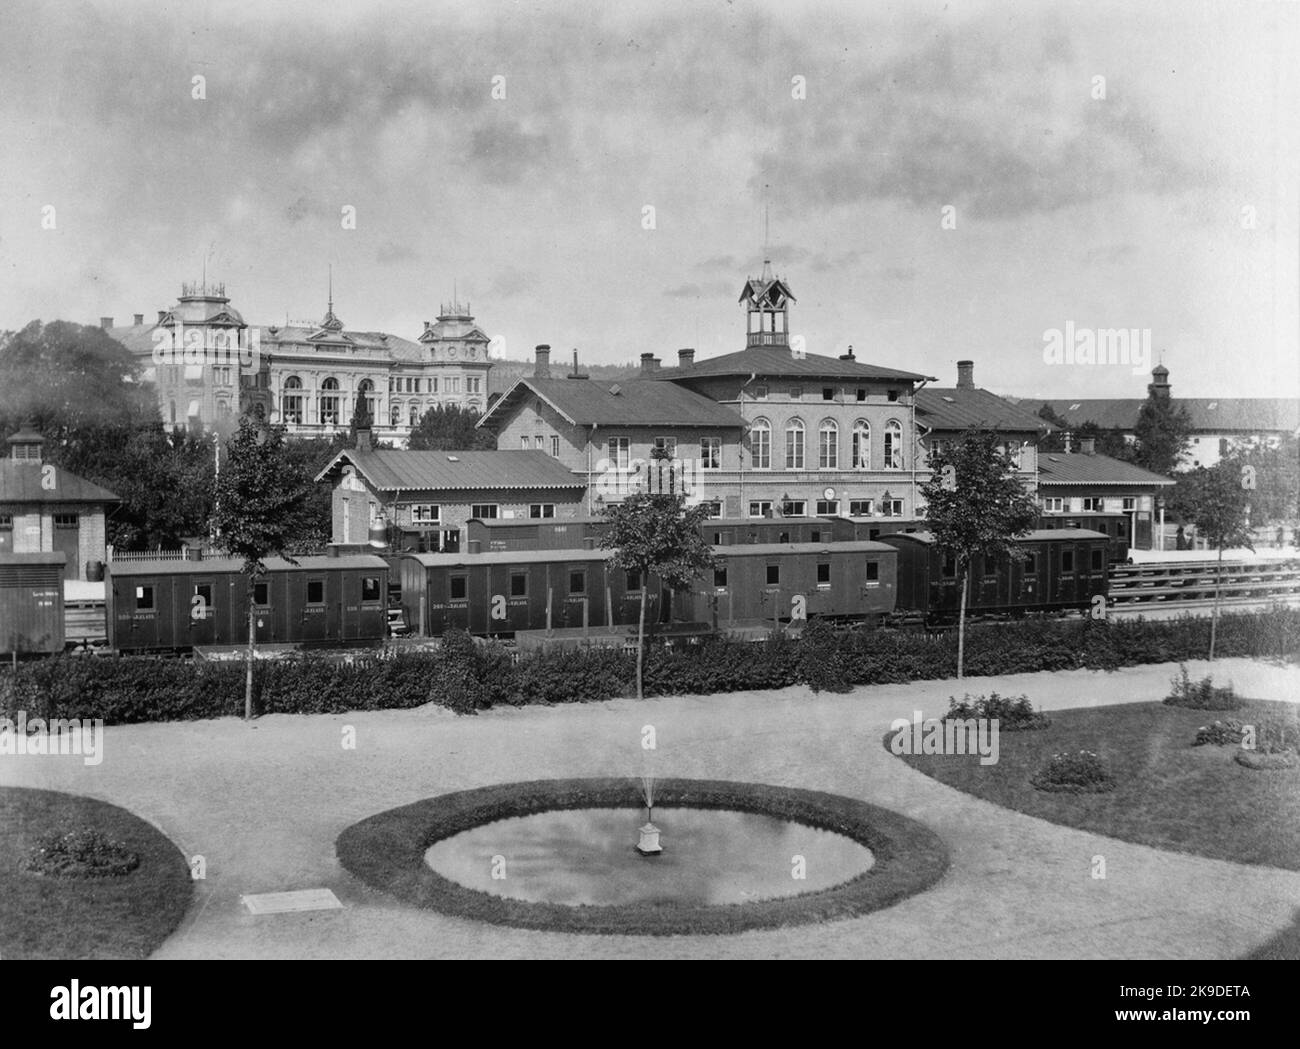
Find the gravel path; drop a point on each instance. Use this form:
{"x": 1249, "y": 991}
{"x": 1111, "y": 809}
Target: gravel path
{"x": 263, "y": 803}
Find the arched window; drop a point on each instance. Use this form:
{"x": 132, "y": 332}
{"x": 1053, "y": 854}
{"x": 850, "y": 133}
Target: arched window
{"x": 760, "y": 444}
{"x": 893, "y": 445}
{"x": 368, "y": 388}
{"x": 794, "y": 445}
{"x": 291, "y": 400}
{"x": 862, "y": 445}
{"x": 395, "y": 414}
{"x": 223, "y": 408}
{"x": 329, "y": 401}
{"x": 415, "y": 414}
{"x": 828, "y": 445}
{"x": 171, "y": 412}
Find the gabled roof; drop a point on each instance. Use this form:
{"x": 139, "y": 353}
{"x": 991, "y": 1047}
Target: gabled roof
{"x": 20, "y": 482}
{"x": 637, "y": 402}
{"x": 779, "y": 362}
{"x": 1208, "y": 414}
{"x": 1077, "y": 468}
{"x": 393, "y": 470}
{"x": 961, "y": 407}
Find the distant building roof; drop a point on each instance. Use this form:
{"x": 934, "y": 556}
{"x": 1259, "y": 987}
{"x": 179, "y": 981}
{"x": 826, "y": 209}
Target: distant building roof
{"x": 1061, "y": 468}
{"x": 1207, "y": 414}
{"x": 392, "y": 470}
{"x": 776, "y": 361}
{"x": 21, "y": 482}
{"x": 961, "y": 407}
{"x": 637, "y": 402}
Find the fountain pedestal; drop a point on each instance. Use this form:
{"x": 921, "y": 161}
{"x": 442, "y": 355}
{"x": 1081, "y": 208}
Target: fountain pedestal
{"x": 649, "y": 843}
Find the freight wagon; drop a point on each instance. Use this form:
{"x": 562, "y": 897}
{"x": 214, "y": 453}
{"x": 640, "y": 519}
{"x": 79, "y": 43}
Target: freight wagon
{"x": 1050, "y": 570}
{"x": 31, "y": 603}
{"x": 1119, "y": 527}
{"x": 495, "y": 535}
{"x": 166, "y": 606}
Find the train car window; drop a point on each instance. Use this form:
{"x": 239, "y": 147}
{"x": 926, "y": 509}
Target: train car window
{"x": 773, "y": 575}
{"x": 518, "y": 584}
{"x": 873, "y": 533}
{"x": 1096, "y": 561}
{"x": 261, "y": 594}
{"x": 203, "y": 591}
{"x": 459, "y": 587}
{"x": 873, "y": 571}
{"x": 577, "y": 582}
{"x": 315, "y": 591}
{"x": 823, "y": 573}
{"x": 815, "y": 536}
{"x": 1067, "y": 560}
{"x": 370, "y": 588}
{"x": 784, "y": 537}
{"x": 1031, "y": 564}
{"x": 950, "y": 566}
{"x": 633, "y": 582}
{"x": 143, "y": 597}
{"x": 717, "y": 539}
{"x": 720, "y": 576}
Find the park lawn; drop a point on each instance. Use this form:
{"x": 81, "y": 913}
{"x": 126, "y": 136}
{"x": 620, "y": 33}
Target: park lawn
{"x": 49, "y": 917}
{"x": 1170, "y": 794}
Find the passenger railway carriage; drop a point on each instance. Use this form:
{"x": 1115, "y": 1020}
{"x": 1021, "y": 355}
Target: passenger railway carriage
{"x": 1051, "y": 570}
{"x": 164, "y": 606}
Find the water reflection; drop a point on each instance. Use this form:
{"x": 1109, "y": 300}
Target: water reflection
{"x": 586, "y": 856}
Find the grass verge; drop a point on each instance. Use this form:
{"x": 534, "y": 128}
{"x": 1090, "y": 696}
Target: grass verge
{"x": 42, "y": 916}
{"x": 387, "y": 850}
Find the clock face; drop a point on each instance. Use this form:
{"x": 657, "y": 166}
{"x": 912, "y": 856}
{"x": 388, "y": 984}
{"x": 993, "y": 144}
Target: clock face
{"x": 829, "y": 493}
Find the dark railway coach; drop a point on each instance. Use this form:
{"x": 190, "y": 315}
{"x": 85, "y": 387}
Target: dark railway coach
{"x": 31, "y": 603}
{"x": 162, "y": 606}
{"x": 1050, "y": 570}
{"x": 771, "y": 582}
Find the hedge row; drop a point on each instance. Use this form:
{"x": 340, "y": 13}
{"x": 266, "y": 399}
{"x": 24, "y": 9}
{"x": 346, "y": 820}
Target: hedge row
{"x": 466, "y": 675}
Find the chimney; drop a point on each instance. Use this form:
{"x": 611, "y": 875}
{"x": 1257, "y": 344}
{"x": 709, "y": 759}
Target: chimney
{"x": 576, "y": 374}
{"x": 542, "y": 370}
{"x": 649, "y": 363}
{"x": 1088, "y": 445}
{"x": 965, "y": 375}
{"x": 848, "y": 356}
{"x": 686, "y": 358}
{"x": 161, "y": 315}
{"x": 139, "y": 319}
{"x": 106, "y": 322}
{"x": 1068, "y": 435}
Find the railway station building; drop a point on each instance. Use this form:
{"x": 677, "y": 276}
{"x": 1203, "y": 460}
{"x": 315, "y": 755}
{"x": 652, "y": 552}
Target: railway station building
{"x": 1084, "y": 482}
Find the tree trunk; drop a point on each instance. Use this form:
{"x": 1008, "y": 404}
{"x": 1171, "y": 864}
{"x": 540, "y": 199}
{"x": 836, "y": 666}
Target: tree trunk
{"x": 1218, "y": 590}
{"x": 252, "y": 642}
{"x": 961, "y": 622}
{"x": 640, "y": 639}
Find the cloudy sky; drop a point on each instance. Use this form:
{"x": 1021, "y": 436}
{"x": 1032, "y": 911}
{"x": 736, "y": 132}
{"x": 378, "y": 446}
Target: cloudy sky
{"x": 1169, "y": 204}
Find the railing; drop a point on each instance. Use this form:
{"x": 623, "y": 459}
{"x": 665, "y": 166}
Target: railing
{"x": 767, "y": 338}
{"x": 1180, "y": 581}
{"x": 146, "y": 555}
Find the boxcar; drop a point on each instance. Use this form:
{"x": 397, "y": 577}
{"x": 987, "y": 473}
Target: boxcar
{"x": 1118, "y": 527}
{"x": 31, "y": 603}
{"x": 777, "y": 582}
{"x": 555, "y": 533}
{"x": 1052, "y": 569}
{"x": 162, "y": 606}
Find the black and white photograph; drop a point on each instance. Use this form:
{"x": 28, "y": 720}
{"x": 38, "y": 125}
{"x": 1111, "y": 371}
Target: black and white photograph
{"x": 550, "y": 480}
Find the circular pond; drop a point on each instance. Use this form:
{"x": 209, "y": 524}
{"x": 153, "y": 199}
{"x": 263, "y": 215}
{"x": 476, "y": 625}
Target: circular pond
{"x": 586, "y": 857}
{"x": 719, "y": 872}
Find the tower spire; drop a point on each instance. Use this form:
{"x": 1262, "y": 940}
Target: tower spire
{"x": 331, "y": 322}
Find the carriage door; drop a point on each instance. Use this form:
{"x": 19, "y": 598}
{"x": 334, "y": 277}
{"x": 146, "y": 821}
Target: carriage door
{"x": 313, "y": 611}
{"x": 203, "y": 613}
{"x": 262, "y": 611}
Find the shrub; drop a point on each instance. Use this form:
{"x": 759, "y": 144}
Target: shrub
{"x": 1219, "y": 734}
{"x": 1013, "y": 713}
{"x": 1081, "y": 773}
{"x": 1253, "y": 759}
{"x": 81, "y": 852}
{"x": 1203, "y": 694}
